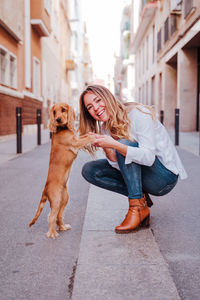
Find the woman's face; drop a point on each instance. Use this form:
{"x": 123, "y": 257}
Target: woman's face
{"x": 96, "y": 107}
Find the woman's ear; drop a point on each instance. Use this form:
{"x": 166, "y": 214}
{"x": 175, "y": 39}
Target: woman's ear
{"x": 52, "y": 123}
{"x": 71, "y": 119}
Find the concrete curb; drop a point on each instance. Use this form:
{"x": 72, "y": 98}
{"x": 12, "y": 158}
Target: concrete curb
{"x": 113, "y": 266}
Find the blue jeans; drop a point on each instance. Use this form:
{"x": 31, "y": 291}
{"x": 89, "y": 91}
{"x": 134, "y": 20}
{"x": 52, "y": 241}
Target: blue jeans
{"x": 133, "y": 179}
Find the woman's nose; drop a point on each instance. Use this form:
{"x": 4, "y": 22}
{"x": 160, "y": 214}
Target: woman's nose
{"x": 95, "y": 105}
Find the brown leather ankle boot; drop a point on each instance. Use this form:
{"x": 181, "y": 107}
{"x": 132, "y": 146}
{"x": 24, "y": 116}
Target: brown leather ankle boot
{"x": 138, "y": 215}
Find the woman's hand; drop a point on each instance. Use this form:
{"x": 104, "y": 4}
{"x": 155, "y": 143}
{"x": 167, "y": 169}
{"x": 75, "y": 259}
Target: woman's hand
{"x": 106, "y": 141}
{"x": 103, "y": 141}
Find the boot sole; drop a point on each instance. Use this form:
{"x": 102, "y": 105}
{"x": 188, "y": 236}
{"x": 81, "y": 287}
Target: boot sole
{"x": 145, "y": 223}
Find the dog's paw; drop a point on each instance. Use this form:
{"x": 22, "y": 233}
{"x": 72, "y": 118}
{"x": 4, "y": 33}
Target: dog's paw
{"x": 64, "y": 227}
{"x": 52, "y": 235}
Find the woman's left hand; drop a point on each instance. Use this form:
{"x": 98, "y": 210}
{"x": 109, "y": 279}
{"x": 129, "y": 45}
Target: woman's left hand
{"x": 104, "y": 141}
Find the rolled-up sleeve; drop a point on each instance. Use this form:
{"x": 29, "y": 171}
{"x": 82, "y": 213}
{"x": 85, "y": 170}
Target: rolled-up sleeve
{"x": 143, "y": 127}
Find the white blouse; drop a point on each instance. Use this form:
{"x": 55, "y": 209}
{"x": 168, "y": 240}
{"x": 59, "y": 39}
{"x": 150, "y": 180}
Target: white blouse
{"x": 153, "y": 140}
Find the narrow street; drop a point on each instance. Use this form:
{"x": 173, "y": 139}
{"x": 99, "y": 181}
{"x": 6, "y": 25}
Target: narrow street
{"x": 32, "y": 266}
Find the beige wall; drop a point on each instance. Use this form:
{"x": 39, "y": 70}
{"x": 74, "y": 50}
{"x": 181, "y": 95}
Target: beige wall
{"x": 187, "y": 83}
{"x": 169, "y": 94}
{"x": 11, "y": 13}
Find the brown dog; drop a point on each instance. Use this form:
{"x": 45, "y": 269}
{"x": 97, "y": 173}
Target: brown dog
{"x": 64, "y": 149}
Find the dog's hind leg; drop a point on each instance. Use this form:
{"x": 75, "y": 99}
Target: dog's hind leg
{"x": 40, "y": 207}
{"x": 61, "y": 225}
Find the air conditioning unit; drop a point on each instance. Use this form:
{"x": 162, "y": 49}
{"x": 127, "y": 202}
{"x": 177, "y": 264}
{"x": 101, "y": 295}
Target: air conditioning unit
{"x": 176, "y": 6}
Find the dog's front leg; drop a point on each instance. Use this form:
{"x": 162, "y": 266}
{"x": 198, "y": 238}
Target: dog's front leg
{"x": 83, "y": 141}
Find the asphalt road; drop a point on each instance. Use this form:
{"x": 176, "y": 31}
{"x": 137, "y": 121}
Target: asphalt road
{"x": 32, "y": 266}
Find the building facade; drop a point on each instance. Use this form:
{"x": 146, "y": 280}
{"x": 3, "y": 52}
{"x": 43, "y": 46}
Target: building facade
{"x": 22, "y": 25}
{"x": 166, "y": 46}
{"x": 41, "y": 59}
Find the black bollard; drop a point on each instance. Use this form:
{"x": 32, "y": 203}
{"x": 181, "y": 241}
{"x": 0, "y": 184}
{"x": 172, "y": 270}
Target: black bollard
{"x": 177, "y": 126}
{"x": 19, "y": 129}
{"x": 39, "y": 126}
{"x": 162, "y": 116}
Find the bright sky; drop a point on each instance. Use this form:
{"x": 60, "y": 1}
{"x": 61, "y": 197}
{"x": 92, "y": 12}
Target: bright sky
{"x": 103, "y": 28}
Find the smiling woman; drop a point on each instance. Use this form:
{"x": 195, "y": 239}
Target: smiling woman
{"x": 141, "y": 158}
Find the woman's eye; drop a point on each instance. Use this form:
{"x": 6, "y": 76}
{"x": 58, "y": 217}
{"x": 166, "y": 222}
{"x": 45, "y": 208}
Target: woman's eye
{"x": 89, "y": 107}
{"x": 63, "y": 109}
{"x": 98, "y": 100}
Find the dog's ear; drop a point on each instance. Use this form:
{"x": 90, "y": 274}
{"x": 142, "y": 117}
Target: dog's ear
{"x": 52, "y": 123}
{"x": 71, "y": 119}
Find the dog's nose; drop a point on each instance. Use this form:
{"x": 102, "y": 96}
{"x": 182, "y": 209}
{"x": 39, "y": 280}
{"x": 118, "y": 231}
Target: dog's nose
{"x": 58, "y": 120}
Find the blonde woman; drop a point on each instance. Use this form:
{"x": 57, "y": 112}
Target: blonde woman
{"x": 140, "y": 157}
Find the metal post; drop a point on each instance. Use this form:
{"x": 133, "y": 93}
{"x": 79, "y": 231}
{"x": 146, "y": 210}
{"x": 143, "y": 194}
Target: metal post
{"x": 19, "y": 129}
{"x": 162, "y": 116}
{"x": 177, "y": 126}
{"x": 39, "y": 126}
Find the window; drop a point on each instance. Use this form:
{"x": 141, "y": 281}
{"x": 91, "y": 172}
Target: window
{"x": 153, "y": 44}
{"x": 8, "y": 68}
{"x": 173, "y": 24}
{"x": 159, "y": 41}
{"x": 166, "y": 26}
{"x": 36, "y": 77}
{"x": 3, "y": 64}
{"x": 13, "y": 73}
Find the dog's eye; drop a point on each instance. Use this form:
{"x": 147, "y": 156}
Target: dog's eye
{"x": 54, "y": 112}
{"x": 63, "y": 109}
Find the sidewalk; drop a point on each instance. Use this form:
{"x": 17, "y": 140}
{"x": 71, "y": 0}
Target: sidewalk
{"x": 113, "y": 266}
{"x": 29, "y": 142}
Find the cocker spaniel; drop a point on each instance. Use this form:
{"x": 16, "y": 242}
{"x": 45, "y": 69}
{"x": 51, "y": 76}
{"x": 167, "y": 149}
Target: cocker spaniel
{"x": 64, "y": 149}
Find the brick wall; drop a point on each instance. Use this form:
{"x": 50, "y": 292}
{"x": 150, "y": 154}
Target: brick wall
{"x": 8, "y": 106}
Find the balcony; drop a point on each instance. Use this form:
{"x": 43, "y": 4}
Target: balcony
{"x": 70, "y": 65}
{"x": 40, "y": 19}
{"x": 175, "y": 6}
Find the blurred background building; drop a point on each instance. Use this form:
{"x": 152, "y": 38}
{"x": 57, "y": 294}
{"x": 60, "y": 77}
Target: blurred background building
{"x": 44, "y": 59}
{"x": 164, "y": 54}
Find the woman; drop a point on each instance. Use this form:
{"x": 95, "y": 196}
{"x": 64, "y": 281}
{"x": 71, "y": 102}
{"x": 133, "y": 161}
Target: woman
{"x": 141, "y": 158}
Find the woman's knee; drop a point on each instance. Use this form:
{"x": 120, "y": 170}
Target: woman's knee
{"x": 87, "y": 170}
{"x": 91, "y": 169}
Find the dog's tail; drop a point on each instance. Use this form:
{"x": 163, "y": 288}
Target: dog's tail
{"x": 40, "y": 208}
